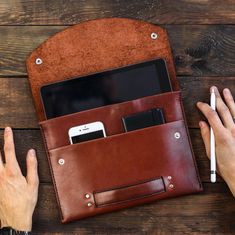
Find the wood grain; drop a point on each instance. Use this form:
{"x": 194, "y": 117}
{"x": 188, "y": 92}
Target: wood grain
{"x": 211, "y": 211}
{"x": 203, "y": 50}
{"x": 59, "y": 12}
{"x": 196, "y": 89}
{"x": 16, "y": 104}
{"x": 198, "y": 50}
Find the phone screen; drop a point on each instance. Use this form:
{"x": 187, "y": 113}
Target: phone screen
{"x": 88, "y": 136}
{"x": 110, "y": 87}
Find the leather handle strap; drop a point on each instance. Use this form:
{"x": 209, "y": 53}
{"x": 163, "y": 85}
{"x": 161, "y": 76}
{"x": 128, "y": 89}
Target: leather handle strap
{"x": 129, "y": 192}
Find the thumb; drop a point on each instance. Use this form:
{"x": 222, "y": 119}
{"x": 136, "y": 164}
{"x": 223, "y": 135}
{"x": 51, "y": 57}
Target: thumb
{"x": 32, "y": 169}
{"x": 205, "y": 133}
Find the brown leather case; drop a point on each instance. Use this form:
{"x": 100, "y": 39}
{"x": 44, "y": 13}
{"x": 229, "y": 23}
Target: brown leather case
{"x": 123, "y": 169}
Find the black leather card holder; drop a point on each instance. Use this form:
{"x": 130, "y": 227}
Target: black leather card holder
{"x": 143, "y": 119}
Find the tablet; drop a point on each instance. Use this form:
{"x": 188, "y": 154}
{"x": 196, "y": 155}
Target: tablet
{"x": 105, "y": 88}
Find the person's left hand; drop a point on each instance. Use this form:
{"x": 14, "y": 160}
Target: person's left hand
{"x": 18, "y": 194}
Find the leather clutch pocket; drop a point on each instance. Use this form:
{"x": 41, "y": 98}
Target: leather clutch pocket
{"x": 125, "y": 168}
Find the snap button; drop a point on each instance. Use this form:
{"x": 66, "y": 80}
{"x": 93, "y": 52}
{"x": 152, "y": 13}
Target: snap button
{"x": 38, "y": 61}
{"x": 61, "y": 161}
{"x": 171, "y": 186}
{"x": 154, "y": 36}
{"x": 89, "y": 204}
{"x": 87, "y": 195}
{"x": 177, "y": 135}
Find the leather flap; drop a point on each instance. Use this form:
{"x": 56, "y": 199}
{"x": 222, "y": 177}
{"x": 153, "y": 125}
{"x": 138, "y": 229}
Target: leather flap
{"x": 95, "y": 46}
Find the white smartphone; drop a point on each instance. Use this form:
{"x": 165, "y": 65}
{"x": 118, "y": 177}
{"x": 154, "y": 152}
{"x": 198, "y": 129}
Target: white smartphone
{"x": 86, "y": 132}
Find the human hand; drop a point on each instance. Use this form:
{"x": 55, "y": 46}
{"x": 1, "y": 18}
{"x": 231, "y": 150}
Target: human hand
{"x": 18, "y": 194}
{"x": 222, "y": 123}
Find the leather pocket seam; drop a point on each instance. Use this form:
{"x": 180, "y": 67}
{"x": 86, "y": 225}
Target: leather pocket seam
{"x": 105, "y": 139}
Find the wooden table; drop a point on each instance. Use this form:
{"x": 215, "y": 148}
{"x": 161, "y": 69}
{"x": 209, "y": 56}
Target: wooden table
{"x": 202, "y": 36}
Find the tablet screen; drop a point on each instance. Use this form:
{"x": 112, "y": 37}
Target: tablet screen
{"x": 109, "y": 87}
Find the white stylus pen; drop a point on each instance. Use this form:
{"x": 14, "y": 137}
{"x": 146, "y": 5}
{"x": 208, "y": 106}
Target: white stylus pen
{"x": 212, "y": 141}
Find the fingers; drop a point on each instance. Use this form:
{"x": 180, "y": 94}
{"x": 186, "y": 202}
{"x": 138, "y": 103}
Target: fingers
{"x": 223, "y": 110}
{"x": 32, "y": 169}
{"x": 205, "y": 133}
{"x": 9, "y": 150}
{"x": 211, "y": 116}
{"x": 229, "y": 101}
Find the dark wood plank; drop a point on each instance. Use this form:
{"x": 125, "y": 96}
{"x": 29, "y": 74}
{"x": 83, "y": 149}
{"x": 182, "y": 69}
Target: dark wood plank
{"x": 16, "y": 104}
{"x": 196, "y": 89}
{"x": 25, "y": 139}
{"x": 211, "y": 211}
{"x": 198, "y": 50}
{"x": 17, "y": 110}
{"x": 203, "y": 50}
{"x": 158, "y": 11}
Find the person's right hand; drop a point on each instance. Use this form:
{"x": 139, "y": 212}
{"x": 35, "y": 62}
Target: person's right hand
{"x": 222, "y": 123}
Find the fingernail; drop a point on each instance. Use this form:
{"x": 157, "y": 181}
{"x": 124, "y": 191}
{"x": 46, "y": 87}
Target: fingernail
{"x": 226, "y": 91}
{"x": 32, "y": 151}
{"x": 216, "y": 91}
{"x": 201, "y": 124}
{"x": 7, "y": 128}
{"x": 213, "y": 88}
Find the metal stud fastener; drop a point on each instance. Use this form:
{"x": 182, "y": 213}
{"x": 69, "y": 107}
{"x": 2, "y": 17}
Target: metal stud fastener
{"x": 87, "y": 195}
{"x": 38, "y": 61}
{"x": 169, "y": 177}
{"x": 61, "y": 161}
{"x": 89, "y": 204}
{"x": 171, "y": 186}
{"x": 177, "y": 135}
{"x": 154, "y": 36}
